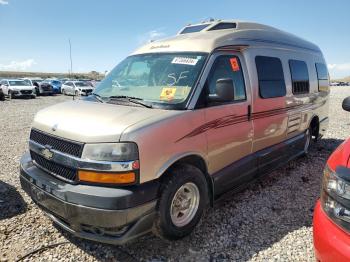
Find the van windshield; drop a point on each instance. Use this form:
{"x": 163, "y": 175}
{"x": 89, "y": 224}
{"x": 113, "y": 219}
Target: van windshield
{"x": 159, "y": 78}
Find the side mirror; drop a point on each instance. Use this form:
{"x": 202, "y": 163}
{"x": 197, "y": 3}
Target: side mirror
{"x": 224, "y": 91}
{"x": 346, "y": 104}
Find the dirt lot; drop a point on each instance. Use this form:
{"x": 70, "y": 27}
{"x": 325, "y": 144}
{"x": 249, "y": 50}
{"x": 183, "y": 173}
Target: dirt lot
{"x": 270, "y": 220}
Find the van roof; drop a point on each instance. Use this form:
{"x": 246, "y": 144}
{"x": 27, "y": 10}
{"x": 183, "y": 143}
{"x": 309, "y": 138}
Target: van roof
{"x": 205, "y": 37}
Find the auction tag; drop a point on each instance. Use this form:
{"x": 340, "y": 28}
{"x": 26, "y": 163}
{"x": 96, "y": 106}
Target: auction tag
{"x": 168, "y": 93}
{"x": 184, "y": 61}
{"x": 234, "y": 64}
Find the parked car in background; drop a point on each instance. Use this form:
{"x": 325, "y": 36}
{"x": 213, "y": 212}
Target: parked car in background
{"x": 41, "y": 88}
{"x": 88, "y": 81}
{"x": 331, "y": 223}
{"x": 77, "y": 88}
{"x": 55, "y": 84}
{"x": 17, "y": 88}
{"x": 174, "y": 126}
{"x": 2, "y": 95}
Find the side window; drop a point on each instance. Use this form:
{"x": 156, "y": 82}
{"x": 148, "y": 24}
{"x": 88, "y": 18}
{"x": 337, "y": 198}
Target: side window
{"x": 300, "y": 77}
{"x": 227, "y": 66}
{"x": 322, "y": 76}
{"x": 270, "y": 77}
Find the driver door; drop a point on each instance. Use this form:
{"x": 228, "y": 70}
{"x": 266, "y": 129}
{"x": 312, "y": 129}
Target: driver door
{"x": 229, "y": 128}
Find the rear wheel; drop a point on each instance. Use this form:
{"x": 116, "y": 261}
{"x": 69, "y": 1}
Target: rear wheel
{"x": 308, "y": 135}
{"x": 183, "y": 199}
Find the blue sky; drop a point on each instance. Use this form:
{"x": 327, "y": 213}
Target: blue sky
{"x": 35, "y": 33}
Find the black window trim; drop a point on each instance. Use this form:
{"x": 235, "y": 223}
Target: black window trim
{"x": 291, "y": 77}
{"x": 284, "y": 80}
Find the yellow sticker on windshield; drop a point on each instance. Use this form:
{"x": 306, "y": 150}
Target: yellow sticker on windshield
{"x": 168, "y": 93}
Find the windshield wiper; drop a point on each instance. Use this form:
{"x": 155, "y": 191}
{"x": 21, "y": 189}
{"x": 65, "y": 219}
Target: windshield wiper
{"x": 98, "y": 97}
{"x": 131, "y": 99}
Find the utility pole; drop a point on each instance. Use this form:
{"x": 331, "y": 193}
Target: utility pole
{"x": 70, "y": 57}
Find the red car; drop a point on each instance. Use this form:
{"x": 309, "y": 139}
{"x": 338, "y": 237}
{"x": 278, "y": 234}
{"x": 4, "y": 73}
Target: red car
{"x": 332, "y": 211}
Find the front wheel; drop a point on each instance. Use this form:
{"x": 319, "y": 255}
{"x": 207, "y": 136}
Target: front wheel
{"x": 183, "y": 199}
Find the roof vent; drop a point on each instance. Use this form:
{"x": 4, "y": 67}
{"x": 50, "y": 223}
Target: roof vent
{"x": 223, "y": 25}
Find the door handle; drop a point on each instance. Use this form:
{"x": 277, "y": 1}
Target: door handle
{"x": 249, "y": 112}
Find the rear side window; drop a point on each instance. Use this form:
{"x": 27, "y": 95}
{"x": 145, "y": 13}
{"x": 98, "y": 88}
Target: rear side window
{"x": 228, "y": 66}
{"x": 300, "y": 77}
{"x": 322, "y": 76}
{"x": 270, "y": 77}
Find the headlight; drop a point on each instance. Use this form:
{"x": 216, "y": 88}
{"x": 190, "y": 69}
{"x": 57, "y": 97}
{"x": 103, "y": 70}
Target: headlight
{"x": 335, "y": 198}
{"x": 334, "y": 185}
{"x": 111, "y": 152}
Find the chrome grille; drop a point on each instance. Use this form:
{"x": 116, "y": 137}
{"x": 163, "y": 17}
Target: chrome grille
{"x": 54, "y": 168}
{"x": 63, "y": 145}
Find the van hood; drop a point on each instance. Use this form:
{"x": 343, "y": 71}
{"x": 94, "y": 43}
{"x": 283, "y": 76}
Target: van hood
{"x": 91, "y": 122}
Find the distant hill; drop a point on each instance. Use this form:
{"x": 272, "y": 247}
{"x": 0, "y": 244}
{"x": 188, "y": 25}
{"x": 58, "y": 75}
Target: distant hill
{"x": 92, "y": 75}
{"x": 345, "y": 79}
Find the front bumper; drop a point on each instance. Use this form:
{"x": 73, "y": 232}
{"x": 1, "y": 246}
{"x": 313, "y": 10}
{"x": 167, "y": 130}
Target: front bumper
{"x": 331, "y": 243}
{"x": 97, "y": 213}
{"x": 22, "y": 93}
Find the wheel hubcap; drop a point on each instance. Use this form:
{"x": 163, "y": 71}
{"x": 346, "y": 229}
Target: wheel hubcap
{"x": 185, "y": 204}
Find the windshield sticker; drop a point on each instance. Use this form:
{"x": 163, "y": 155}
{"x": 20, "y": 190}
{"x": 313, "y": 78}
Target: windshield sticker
{"x": 184, "y": 61}
{"x": 234, "y": 64}
{"x": 168, "y": 93}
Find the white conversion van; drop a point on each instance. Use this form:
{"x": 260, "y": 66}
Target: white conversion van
{"x": 174, "y": 126}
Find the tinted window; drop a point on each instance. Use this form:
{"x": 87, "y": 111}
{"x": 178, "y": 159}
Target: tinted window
{"x": 323, "y": 77}
{"x": 228, "y": 67}
{"x": 322, "y": 71}
{"x": 300, "y": 77}
{"x": 270, "y": 77}
{"x": 223, "y": 26}
{"x": 195, "y": 28}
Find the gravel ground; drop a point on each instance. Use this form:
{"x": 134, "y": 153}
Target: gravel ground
{"x": 269, "y": 221}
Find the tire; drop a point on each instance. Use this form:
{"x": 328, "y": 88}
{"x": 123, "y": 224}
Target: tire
{"x": 184, "y": 180}
{"x": 10, "y": 95}
{"x": 33, "y": 96}
{"x": 308, "y": 141}
{"x": 2, "y": 97}
{"x": 37, "y": 91}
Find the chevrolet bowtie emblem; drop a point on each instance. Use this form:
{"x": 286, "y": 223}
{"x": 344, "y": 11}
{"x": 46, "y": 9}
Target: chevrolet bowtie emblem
{"x": 47, "y": 153}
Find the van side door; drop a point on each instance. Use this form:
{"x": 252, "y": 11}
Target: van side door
{"x": 269, "y": 111}
{"x": 228, "y": 127}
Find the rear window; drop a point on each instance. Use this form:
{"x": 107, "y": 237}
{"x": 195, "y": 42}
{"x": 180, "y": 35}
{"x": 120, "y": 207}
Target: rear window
{"x": 193, "y": 29}
{"x": 270, "y": 77}
{"x": 323, "y": 77}
{"x": 300, "y": 77}
{"x": 322, "y": 71}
